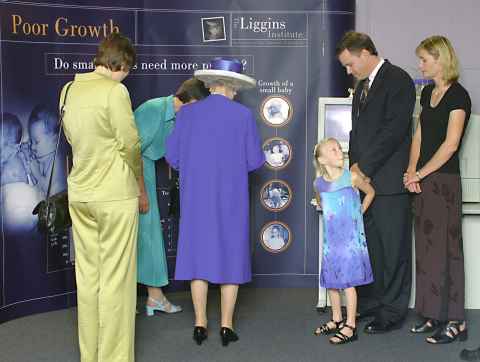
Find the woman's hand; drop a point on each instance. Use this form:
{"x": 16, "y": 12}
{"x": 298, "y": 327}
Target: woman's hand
{"x": 414, "y": 188}
{"x": 411, "y": 181}
{"x": 408, "y": 175}
{"x": 143, "y": 204}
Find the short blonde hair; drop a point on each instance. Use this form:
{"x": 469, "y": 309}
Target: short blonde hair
{"x": 317, "y": 152}
{"x": 441, "y": 49}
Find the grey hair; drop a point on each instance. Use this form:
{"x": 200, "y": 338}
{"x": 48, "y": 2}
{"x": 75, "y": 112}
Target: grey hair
{"x": 222, "y": 82}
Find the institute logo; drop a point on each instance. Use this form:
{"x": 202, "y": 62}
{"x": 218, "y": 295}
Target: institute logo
{"x": 265, "y": 27}
{"x": 258, "y": 25}
{"x": 213, "y": 29}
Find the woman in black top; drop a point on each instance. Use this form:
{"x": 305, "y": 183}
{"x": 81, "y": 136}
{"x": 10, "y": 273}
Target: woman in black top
{"x": 434, "y": 175}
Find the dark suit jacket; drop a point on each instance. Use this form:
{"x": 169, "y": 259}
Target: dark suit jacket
{"x": 381, "y": 129}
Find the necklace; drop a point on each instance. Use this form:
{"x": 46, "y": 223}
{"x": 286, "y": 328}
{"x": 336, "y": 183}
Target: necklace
{"x": 439, "y": 90}
{"x": 437, "y": 95}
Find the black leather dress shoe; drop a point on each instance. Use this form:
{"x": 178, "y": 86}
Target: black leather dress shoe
{"x": 378, "y": 326}
{"x": 425, "y": 326}
{"x": 199, "y": 334}
{"x": 227, "y": 336}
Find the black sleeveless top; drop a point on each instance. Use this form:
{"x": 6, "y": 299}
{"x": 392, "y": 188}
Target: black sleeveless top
{"x": 434, "y": 123}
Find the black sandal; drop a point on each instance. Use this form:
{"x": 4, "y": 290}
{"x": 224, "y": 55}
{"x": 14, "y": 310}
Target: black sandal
{"x": 449, "y": 333}
{"x": 426, "y": 326}
{"x": 326, "y": 329}
{"x": 343, "y": 338}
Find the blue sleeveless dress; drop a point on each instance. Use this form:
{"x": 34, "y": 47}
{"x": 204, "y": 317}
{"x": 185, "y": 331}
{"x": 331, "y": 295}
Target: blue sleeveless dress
{"x": 345, "y": 260}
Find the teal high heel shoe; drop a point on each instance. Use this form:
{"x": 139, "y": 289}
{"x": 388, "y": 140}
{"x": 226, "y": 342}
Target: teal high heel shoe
{"x": 165, "y": 307}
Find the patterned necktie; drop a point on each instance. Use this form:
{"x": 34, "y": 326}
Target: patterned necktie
{"x": 364, "y": 94}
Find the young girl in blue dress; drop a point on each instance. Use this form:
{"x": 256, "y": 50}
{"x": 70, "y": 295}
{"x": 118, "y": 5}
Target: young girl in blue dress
{"x": 345, "y": 261}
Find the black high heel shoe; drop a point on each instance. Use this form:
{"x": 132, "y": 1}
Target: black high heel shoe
{"x": 449, "y": 333}
{"x": 425, "y": 326}
{"x": 227, "y": 336}
{"x": 199, "y": 334}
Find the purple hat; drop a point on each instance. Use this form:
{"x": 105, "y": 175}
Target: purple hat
{"x": 226, "y": 69}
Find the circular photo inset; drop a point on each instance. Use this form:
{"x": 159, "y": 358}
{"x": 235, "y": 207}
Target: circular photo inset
{"x": 276, "y": 195}
{"x": 276, "y": 111}
{"x": 275, "y": 237}
{"x": 278, "y": 152}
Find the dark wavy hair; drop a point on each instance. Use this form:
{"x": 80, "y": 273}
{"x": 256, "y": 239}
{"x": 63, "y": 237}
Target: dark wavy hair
{"x": 114, "y": 52}
{"x": 355, "y": 42}
{"x": 192, "y": 89}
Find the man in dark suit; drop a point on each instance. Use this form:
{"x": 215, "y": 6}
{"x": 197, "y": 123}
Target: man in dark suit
{"x": 379, "y": 151}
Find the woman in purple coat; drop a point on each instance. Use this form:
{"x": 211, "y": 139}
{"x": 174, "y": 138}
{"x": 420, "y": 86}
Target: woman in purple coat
{"x": 213, "y": 245}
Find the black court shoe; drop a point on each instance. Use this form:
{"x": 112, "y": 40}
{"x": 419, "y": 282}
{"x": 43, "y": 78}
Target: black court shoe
{"x": 227, "y": 336}
{"x": 199, "y": 334}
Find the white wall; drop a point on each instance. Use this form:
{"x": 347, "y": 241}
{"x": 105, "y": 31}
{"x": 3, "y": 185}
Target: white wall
{"x": 396, "y": 28}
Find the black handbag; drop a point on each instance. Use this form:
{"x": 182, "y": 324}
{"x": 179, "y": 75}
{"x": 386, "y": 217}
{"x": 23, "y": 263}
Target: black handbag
{"x": 53, "y": 214}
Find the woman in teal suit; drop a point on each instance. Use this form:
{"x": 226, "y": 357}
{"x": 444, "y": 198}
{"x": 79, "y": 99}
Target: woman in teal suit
{"x": 155, "y": 120}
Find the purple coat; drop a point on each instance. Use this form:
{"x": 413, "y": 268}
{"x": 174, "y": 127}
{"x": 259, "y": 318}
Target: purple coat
{"x": 214, "y": 145}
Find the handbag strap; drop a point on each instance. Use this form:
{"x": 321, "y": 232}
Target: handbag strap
{"x": 62, "y": 111}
